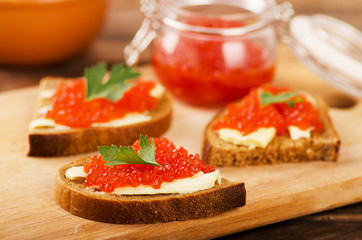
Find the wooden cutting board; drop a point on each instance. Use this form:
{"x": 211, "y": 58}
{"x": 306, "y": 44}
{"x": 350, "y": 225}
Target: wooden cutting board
{"x": 274, "y": 193}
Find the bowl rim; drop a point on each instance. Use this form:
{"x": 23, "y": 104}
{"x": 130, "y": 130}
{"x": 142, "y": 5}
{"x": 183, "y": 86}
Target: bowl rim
{"x": 21, "y": 3}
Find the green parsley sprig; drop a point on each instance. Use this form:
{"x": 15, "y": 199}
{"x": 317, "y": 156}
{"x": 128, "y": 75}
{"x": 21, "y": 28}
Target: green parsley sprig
{"x": 114, "y": 88}
{"x": 267, "y": 98}
{"x": 126, "y": 155}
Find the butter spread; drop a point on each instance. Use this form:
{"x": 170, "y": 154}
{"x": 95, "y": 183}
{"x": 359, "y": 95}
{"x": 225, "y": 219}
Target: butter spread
{"x": 44, "y": 110}
{"x": 199, "y": 181}
{"x": 296, "y": 133}
{"x": 46, "y": 123}
{"x": 128, "y": 119}
{"x": 263, "y": 136}
{"x": 259, "y": 138}
{"x": 157, "y": 91}
{"x": 47, "y": 93}
{"x": 75, "y": 172}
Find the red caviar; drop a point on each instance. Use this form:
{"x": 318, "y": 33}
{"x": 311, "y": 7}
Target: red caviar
{"x": 176, "y": 164}
{"x": 210, "y": 70}
{"x": 249, "y": 115}
{"x": 70, "y": 108}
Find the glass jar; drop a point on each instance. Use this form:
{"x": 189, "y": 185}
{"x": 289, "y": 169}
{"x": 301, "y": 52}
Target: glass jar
{"x": 208, "y": 53}
{"x": 211, "y": 52}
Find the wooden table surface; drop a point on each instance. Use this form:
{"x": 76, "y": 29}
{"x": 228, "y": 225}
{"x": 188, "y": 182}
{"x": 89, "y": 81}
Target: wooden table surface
{"x": 341, "y": 223}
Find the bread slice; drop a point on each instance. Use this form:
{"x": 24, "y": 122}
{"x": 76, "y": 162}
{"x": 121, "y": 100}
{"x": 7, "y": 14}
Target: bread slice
{"x": 73, "y": 196}
{"x": 320, "y": 146}
{"x": 54, "y": 142}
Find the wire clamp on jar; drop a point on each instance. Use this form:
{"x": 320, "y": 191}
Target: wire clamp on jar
{"x": 282, "y": 15}
{"x": 145, "y": 34}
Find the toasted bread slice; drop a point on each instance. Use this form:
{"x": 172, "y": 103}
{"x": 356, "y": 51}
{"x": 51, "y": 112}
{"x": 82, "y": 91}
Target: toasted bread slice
{"x": 57, "y": 142}
{"x": 320, "y": 146}
{"x": 73, "y": 196}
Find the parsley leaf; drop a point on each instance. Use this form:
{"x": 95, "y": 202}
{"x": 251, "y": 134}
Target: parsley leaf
{"x": 267, "y": 98}
{"x": 126, "y": 155}
{"x": 114, "y": 88}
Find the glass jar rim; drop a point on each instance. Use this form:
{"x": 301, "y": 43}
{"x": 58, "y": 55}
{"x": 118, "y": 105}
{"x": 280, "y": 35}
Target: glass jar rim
{"x": 170, "y": 10}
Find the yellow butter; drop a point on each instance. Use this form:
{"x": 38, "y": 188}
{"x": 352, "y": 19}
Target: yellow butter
{"x": 259, "y": 138}
{"x": 199, "y": 181}
{"x": 297, "y": 133}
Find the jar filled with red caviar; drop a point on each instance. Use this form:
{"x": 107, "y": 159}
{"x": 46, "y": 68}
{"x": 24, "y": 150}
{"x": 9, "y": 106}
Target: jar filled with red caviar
{"x": 211, "y": 52}
{"x": 208, "y": 53}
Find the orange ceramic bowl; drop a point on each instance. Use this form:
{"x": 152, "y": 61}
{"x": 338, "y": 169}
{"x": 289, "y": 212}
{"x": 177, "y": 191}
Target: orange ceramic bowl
{"x": 35, "y": 32}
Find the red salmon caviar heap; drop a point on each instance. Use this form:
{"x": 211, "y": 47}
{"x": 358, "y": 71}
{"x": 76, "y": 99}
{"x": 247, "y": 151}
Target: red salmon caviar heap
{"x": 249, "y": 114}
{"x": 176, "y": 164}
{"x": 70, "y": 108}
{"x": 211, "y": 70}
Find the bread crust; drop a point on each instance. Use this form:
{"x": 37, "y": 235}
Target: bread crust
{"x": 47, "y": 142}
{"x": 74, "y": 197}
{"x": 320, "y": 146}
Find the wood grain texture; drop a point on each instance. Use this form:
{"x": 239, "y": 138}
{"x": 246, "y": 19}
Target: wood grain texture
{"x": 30, "y": 214}
{"x": 274, "y": 193}
{"x": 342, "y": 223}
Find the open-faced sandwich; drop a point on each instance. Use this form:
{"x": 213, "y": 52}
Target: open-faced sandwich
{"x": 148, "y": 182}
{"x": 78, "y": 115}
{"x": 270, "y": 125}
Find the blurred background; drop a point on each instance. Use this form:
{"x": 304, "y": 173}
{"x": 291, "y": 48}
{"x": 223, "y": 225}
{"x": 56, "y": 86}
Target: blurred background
{"x": 346, "y": 10}
{"x": 122, "y": 20}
